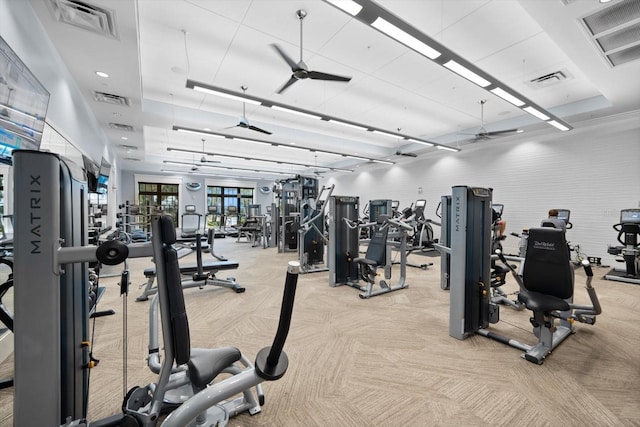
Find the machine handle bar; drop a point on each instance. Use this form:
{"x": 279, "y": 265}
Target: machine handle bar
{"x": 288, "y": 298}
{"x": 587, "y": 268}
{"x": 271, "y": 362}
{"x": 400, "y": 224}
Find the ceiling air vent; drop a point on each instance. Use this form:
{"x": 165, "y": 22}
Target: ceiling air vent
{"x": 120, "y": 126}
{"x": 110, "y": 98}
{"x": 615, "y": 31}
{"x": 85, "y": 15}
{"x": 128, "y": 147}
{"x": 132, "y": 159}
{"x": 549, "y": 79}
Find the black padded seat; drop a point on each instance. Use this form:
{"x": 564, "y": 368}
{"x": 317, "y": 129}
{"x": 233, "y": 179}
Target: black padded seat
{"x": 205, "y": 364}
{"x": 193, "y": 268}
{"x": 536, "y": 301}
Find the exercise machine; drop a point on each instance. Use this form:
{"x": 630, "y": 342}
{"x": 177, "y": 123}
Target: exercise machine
{"x": 51, "y": 263}
{"x": 498, "y": 271}
{"x": 422, "y": 239}
{"x": 628, "y": 231}
{"x": 196, "y": 275}
{"x": 190, "y": 231}
{"x": 344, "y": 240}
{"x": 253, "y": 227}
{"x": 546, "y": 287}
{"x": 346, "y": 267}
{"x": 52, "y": 349}
{"x": 292, "y": 194}
{"x": 311, "y": 232}
{"x": 185, "y": 383}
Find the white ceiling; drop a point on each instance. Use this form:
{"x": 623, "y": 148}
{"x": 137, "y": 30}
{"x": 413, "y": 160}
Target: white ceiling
{"x": 226, "y": 43}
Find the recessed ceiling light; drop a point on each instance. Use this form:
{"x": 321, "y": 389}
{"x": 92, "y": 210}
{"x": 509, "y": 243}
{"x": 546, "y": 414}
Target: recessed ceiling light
{"x": 102, "y": 74}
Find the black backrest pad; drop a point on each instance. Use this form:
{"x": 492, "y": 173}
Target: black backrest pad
{"x": 168, "y": 230}
{"x": 377, "y": 249}
{"x": 177, "y": 311}
{"x": 547, "y": 267}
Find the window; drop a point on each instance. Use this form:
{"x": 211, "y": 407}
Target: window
{"x": 226, "y": 199}
{"x": 158, "y": 194}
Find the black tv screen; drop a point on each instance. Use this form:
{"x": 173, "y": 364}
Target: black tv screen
{"x": 23, "y": 105}
{"x": 91, "y": 170}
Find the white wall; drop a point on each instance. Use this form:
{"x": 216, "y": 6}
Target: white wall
{"x": 68, "y": 114}
{"x": 593, "y": 170}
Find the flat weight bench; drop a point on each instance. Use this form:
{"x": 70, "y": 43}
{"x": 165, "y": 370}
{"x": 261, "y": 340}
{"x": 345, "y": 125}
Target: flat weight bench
{"x": 198, "y": 277}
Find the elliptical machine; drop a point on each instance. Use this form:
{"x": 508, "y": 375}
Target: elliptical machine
{"x": 629, "y": 226}
{"x": 499, "y": 272}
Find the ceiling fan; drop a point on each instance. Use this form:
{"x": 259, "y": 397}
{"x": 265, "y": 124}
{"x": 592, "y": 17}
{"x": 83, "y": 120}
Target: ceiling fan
{"x": 204, "y": 159}
{"x": 401, "y": 153}
{"x": 300, "y": 70}
{"x": 244, "y": 123}
{"x": 482, "y": 133}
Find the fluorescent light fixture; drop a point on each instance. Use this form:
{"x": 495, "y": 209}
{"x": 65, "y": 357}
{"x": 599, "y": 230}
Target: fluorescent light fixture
{"x": 381, "y": 132}
{"x": 405, "y": 38}
{"x": 428, "y": 144}
{"x": 225, "y": 95}
{"x": 357, "y": 157}
{"x": 196, "y": 132}
{"x": 384, "y": 162}
{"x": 351, "y": 7}
{"x": 291, "y": 147}
{"x": 299, "y": 113}
{"x": 247, "y": 140}
{"x": 442, "y": 147}
{"x": 208, "y": 165}
{"x": 507, "y": 96}
{"x": 558, "y": 125}
{"x": 466, "y": 73}
{"x": 536, "y": 113}
{"x": 349, "y": 125}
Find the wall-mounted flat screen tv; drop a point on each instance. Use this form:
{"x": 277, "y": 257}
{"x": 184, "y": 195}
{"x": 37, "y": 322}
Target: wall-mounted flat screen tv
{"x": 103, "y": 177}
{"x": 91, "y": 170}
{"x": 23, "y": 105}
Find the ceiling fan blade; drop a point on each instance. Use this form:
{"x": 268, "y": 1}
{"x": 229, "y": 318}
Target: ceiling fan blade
{"x": 291, "y": 81}
{"x": 317, "y": 75}
{"x": 257, "y": 129}
{"x": 293, "y": 64}
{"x": 500, "y": 132}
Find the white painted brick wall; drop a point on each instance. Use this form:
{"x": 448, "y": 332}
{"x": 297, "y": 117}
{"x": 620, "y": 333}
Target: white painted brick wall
{"x": 593, "y": 170}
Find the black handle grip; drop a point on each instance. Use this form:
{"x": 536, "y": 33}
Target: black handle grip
{"x": 501, "y": 256}
{"x": 199, "y": 254}
{"x": 515, "y": 234}
{"x": 587, "y": 268}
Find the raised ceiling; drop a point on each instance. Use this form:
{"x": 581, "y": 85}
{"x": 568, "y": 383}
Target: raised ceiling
{"x": 153, "y": 46}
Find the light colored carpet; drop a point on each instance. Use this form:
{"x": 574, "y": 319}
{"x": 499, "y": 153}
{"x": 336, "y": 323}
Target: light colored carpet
{"x": 388, "y": 360}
